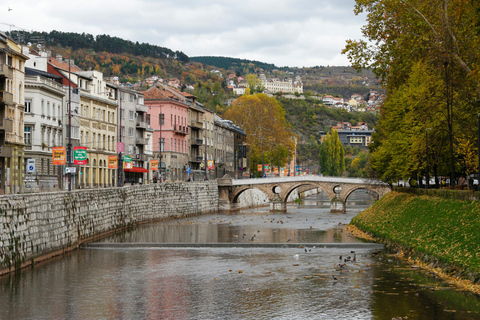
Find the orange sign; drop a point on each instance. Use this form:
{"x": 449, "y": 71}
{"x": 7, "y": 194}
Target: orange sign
{"x": 154, "y": 164}
{"x": 59, "y": 156}
{"x": 112, "y": 162}
{"x": 275, "y": 170}
{"x": 259, "y": 167}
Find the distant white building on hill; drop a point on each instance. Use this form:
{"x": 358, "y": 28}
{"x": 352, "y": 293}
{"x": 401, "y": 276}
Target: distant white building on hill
{"x": 285, "y": 86}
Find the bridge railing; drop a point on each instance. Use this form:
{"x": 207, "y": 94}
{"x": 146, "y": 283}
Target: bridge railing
{"x": 274, "y": 180}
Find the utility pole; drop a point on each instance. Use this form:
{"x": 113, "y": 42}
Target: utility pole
{"x": 69, "y": 145}
{"x": 120, "y": 159}
{"x": 205, "y": 148}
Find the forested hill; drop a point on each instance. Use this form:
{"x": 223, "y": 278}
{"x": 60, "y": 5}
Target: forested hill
{"x": 244, "y": 66}
{"x": 103, "y": 42}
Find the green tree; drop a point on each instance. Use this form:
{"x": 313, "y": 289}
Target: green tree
{"x": 409, "y": 43}
{"x": 332, "y": 155}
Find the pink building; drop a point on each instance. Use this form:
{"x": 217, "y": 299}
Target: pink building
{"x": 168, "y": 118}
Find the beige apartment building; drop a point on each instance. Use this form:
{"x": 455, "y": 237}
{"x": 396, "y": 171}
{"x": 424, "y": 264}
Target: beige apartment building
{"x": 12, "y": 86}
{"x": 98, "y": 129}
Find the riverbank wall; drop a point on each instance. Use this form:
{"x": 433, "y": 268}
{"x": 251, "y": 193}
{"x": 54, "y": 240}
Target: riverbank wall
{"x": 440, "y": 231}
{"x": 36, "y": 227}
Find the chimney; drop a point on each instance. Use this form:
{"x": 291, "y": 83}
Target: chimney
{"x": 59, "y": 57}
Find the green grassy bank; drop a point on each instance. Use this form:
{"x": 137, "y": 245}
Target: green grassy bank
{"x": 442, "y": 232}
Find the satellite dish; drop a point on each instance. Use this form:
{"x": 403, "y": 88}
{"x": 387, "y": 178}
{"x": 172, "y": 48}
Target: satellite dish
{"x": 29, "y": 44}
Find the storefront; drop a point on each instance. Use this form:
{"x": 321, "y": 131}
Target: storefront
{"x": 133, "y": 175}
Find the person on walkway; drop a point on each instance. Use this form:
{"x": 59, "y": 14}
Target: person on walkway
{"x": 140, "y": 181}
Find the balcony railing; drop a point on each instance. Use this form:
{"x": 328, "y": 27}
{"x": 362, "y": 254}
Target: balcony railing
{"x": 142, "y": 108}
{"x": 141, "y": 157}
{"x": 142, "y": 124}
{"x": 5, "y": 152}
{"x": 180, "y": 129}
{"x": 6, "y": 125}
{"x": 6, "y": 71}
{"x": 197, "y": 142}
{"x": 196, "y": 159}
{"x": 142, "y": 141}
{"x": 6, "y": 98}
{"x": 196, "y": 124}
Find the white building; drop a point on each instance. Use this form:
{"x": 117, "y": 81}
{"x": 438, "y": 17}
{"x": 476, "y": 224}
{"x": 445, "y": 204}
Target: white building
{"x": 285, "y": 86}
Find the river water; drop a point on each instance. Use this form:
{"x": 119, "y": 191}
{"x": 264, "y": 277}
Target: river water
{"x": 251, "y": 264}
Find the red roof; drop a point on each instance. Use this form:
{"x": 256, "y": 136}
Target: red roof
{"x": 63, "y": 65}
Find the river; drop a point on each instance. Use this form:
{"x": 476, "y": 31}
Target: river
{"x": 251, "y": 264}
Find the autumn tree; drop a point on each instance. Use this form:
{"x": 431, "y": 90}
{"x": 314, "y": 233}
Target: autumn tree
{"x": 332, "y": 155}
{"x": 254, "y": 83}
{"x": 269, "y": 134}
{"x": 427, "y": 54}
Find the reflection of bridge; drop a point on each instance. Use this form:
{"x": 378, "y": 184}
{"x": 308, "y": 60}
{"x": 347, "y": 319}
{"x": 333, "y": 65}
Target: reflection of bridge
{"x": 279, "y": 189}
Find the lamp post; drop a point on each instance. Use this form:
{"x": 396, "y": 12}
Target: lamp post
{"x": 478, "y": 175}
{"x": 427, "y": 178}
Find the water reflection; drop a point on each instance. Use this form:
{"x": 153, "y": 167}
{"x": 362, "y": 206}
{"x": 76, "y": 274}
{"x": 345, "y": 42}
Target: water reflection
{"x": 233, "y": 283}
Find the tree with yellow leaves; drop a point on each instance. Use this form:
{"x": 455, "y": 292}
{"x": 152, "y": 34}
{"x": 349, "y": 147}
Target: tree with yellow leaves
{"x": 269, "y": 135}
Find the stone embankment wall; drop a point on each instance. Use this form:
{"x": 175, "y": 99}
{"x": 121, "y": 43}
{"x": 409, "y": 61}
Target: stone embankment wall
{"x": 34, "y": 227}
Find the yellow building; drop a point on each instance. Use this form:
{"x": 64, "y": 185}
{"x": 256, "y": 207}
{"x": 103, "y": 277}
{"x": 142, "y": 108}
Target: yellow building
{"x": 98, "y": 129}
{"x": 12, "y": 107}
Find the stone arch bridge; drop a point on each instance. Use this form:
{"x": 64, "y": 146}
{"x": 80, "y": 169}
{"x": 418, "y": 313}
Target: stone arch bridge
{"x": 279, "y": 189}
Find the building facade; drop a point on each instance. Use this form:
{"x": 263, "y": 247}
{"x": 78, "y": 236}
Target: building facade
{"x": 12, "y": 108}
{"x": 43, "y": 129}
{"x": 168, "y": 115}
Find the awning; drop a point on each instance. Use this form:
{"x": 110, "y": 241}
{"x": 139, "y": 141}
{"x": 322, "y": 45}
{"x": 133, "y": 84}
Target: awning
{"x": 135, "y": 169}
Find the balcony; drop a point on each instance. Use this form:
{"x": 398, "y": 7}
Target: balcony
{"x": 142, "y": 108}
{"x": 220, "y": 161}
{"x": 5, "y": 152}
{"x": 6, "y": 125}
{"x": 180, "y": 129}
{"x": 142, "y": 141}
{"x": 196, "y": 124}
{"x": 6, "y": 71}
{"x": 197, "y": 142}
{"x": 6, "y": 98}
{"x": 140, "y": 157}
{"x": 196, "y": 159}
{"x": 142, "y": 124}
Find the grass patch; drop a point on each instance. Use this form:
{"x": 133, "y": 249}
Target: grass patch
{"x": 446, "y": 229}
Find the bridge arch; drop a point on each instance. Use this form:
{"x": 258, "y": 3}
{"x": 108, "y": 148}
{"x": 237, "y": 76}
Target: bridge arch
{"x": 239, "y": 191}
{"x": 288, "y": 192}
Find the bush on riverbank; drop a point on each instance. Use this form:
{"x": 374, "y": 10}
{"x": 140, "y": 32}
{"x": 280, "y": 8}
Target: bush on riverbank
{"x": 434, "y": 229}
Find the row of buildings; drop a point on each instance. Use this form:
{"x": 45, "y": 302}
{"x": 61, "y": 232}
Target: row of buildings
{"x": 129, "y": 136}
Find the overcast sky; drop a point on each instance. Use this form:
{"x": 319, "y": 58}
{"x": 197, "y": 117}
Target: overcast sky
{"x": 283, "y": 32}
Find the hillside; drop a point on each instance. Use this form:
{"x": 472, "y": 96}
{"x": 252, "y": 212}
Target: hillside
{"x": 134, "y": 63}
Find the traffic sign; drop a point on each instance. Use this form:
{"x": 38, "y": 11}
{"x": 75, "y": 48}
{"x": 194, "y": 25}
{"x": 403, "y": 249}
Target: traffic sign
{"x": 189, "y": 170}
{"x": 30, "y": 165}
{"x": 70, "y": 170}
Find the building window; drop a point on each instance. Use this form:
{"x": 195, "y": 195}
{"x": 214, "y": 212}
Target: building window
{"x": 43, "y": 107}
{"x": 93, "y": 140}
{"x": 162, "y": 144}
{"x": 130, "y": 132}
{"x": 28, "y": 106}
{"x": 131, "y": 115}
{"x": 122, "y": 131}
{"x": 27, "y": 135}
{"x": 131, "y": 97}
{"x": 161, "y": 119}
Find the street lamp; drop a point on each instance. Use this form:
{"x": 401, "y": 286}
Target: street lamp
{"x": 427, "y": 182}
{"x": 478, "y": 175}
